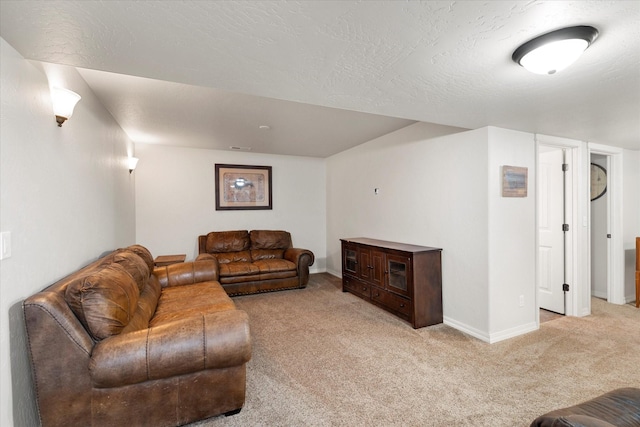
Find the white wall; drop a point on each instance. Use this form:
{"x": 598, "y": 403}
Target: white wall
{"x": 435, "y": 191}
{"x": 175, "y": 199}
{"x": 631, "y": 217}
{"x": 65, "y": 196}
{"x": 512, "y": 237}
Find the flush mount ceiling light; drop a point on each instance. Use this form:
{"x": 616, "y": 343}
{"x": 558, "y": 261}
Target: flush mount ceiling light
{"x": 555, "y": 51}
{"x": 64, "y": 101}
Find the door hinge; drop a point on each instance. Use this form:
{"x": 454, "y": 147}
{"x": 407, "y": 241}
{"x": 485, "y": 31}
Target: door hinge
{"x": 565, "y": 167}
{"x": 565, "y": 227}
{"x": 565, "y": 287}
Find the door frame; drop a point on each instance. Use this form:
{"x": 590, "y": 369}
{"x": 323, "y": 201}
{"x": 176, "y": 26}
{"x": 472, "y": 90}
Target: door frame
{"x": 575, "y": 151}
{"x": 615, "y": 273}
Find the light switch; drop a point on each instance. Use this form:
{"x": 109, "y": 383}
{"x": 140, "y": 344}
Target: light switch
{"x": 5, "y": 244}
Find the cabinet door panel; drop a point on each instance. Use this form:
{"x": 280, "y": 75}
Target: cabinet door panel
{"x": 350, "y": 260}
{"x": 377, "y": 270}
{"x": 365, "y": 263}
{"x": 398, "y": 274}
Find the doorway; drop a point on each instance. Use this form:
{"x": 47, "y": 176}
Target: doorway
{"x": 552, "y": 228}
{"x": 610, "y": 261}
{"x": 600, "y": 242}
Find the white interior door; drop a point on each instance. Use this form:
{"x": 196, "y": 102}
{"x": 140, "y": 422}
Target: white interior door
{"x": 551, "y": 236}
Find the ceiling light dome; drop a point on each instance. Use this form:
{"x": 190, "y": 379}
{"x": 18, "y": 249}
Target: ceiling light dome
{"x": 555, "y": 51}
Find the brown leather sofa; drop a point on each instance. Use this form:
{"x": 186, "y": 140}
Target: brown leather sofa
{"x": 256, "y": 261}
{"x": 617, "y": 408}
{"x": 121, "y": 343}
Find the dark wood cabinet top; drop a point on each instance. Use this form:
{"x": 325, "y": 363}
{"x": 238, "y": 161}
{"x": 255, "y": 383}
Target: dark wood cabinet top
{"x": 390, "y": 245}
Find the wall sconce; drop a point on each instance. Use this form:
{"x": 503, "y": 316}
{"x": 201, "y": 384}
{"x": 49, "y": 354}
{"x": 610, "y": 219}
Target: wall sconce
{"x": 132, "y": 162}
{"x": 64, "y": 101}
{"x": 554, "y": 51}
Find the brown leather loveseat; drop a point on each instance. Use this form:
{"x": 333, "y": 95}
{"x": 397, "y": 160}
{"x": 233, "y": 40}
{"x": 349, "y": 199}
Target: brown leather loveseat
{"x": 121, "y": 343}
{"x": 256, "y": 261}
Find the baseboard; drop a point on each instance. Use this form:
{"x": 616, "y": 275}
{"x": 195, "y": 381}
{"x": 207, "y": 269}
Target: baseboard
{"x": 494, "y": 337}
{"x": 469, "y": 330}
{"x": 602, "y": 295}
{"x": 334, "y": 273}
{"x": 513, "y": 332}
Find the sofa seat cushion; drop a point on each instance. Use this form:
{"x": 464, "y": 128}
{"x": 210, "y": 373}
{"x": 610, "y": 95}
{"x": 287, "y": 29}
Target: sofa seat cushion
{"x": 187, "y": 300}
{"x": 234, "y": 269}
{"x": 274, "y": 265}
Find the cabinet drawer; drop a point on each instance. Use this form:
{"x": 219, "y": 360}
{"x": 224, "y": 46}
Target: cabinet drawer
{"x": 392, "y": 301}
{"x": 357, "y": 287}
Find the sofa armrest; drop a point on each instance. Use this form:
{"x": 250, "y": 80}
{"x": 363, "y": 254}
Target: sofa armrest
{"x": 210, "y": 341}
{"x": 187, "y": 273}
{"x": 298, "y": 256}
{"x": 302, "y": 258}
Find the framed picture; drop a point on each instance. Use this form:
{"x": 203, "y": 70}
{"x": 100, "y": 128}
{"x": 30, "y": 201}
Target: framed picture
{"x": 514, "y": 181}
{"x": 242, "y": 187}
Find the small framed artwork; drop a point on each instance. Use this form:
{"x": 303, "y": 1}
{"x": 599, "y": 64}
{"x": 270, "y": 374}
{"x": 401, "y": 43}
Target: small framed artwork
{"x": 242, "y": 187}
{"x": 514, "y": 181}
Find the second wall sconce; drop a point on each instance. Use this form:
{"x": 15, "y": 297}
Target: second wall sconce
{"x": 132, "y": 162}
{"x": 64, "y": 101}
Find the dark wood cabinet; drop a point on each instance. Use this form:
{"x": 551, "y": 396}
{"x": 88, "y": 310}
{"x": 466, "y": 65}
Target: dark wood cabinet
{"x": 403, "y": 279}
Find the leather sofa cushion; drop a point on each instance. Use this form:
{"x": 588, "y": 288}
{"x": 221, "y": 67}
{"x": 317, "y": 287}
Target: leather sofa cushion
{"x": 143, "y": 253}
{"x": 270, "y": 239}
{"x": 580, "y": 421}
{"x": 135, "y": 266}
{"x": 240, "y": 256}
{"x": 258, "y": 254}
{"x": 620, "y": 407}
{"x": 147, "y": 303}
{"x": 237, "y": 269}
{"x": 179, "y": 302}
{"x": 227, "y": 241}
{"x": 104, "y": 300}
{"x": 274, "y": 265}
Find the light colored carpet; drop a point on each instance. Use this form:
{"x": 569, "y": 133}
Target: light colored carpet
{"x": 322, "y": 357}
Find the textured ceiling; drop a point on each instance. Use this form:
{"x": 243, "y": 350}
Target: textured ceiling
{"x": 441, "y": 62}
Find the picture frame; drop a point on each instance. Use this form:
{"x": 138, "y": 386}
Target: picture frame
{"x": 243, "y": 187}
{"x": 514, "y": 181}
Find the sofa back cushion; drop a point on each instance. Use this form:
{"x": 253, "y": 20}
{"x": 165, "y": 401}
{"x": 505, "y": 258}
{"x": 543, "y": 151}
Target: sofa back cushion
{"x": 104, "y": 300}
{"x": 269, "y": 244}
{"x": 143, "y": 253}
{"x": 227, "y": 241}
{"x": 270, "y": 239}
{"x": 227, "y": 257}
{"x": 135, "y": 266}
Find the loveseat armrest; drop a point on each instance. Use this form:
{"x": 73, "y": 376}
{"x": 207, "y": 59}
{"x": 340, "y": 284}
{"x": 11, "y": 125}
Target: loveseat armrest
{"x": 187, "y": 273}
{"x": 298, "y": 256}
{"x": 302, "y": 258}
{"x": 209, "y": 341}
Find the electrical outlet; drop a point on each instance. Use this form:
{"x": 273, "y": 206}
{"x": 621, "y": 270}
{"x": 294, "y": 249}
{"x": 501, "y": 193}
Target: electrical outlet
{"x": 521, "y": 300}
{"x": 5, "y": 244}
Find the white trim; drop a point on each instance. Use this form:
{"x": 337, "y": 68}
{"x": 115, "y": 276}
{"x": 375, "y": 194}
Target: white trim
{"x": 469, "y": 330}
{"x": 615, "y": 280}
{"x": 491, "y": 338}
